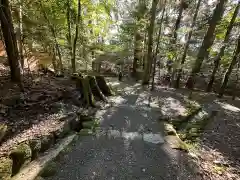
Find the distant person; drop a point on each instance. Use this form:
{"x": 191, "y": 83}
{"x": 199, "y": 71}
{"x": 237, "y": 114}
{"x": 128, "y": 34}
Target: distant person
{"x": 169, "y": 65}
{"x": 120, "y": 75}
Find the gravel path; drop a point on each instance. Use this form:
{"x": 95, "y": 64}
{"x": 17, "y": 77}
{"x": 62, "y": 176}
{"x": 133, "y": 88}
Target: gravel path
{"x": 128, "y": 146}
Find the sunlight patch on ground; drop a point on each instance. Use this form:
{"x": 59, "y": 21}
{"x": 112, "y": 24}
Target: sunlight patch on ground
{"x": 116, "y": 100}
{"x": 228, "y": 107}
{"x": 171, "y": 105}
{"x": 143, "y": 99}
{"x": 130, "y": 90}
{"x": 113, "y": 84}
{"x": 130, "y": 136}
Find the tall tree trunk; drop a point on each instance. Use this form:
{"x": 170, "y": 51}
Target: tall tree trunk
{"x": 73, "y": 60}
{"x": 207, "y": 42}
{"x": 20, "y": 34}
{"x": 177, "y": 24}
{"x": 137, "y": 38}
{"x": 144, "y": 50}
{"x": 179, "y": 74}
{"x": 54, "y": 36}
{"x": 10, "y": 42}
{"x": 157, "y": 46}
{"x": 236, "y": 81}
{"x": 69, "y": 34}
{"x": 148, "y": 64}
{"x": 91, "y": 34}
{"x": 182, "y": 6}
{"x": 141, "y": 11}
{"x": 54, "y": 62}
{"x": 221, "y": 52}
{"x": 230, "y": 68}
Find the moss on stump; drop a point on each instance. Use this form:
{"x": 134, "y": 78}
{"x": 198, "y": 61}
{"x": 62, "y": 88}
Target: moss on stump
{"x": 21, "y": 155}
{"x": 83, "y": 86}
{"x": 101, "y": 82}
{"x": 5, "y": 168}
{"x": 96, "y": 91}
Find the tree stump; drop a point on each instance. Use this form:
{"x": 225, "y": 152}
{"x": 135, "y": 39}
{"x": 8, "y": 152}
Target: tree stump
{"x": 83, "y": 85}
{"x": 96, "y": 91}
{"x": 103, "y": 86}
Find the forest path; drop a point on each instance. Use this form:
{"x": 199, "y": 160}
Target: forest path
{"x": 128, "y": 145}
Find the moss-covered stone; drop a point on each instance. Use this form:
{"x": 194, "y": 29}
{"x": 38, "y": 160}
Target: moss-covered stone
{"x": 85, "y": 132}
{"x": 63, "y": 131}
{"x": 75, "y": 124}
{"x": 35, "y": 145}
{"x": 86, "y": 114}
{"x": 3, "y": 131}
{"x": 46, "y": 142}
{"x": 88, "y": 124}
{"x": 85, "y": 118}
{"x": 49, "y": 170}
{"x": 182, "y": 121}
{"x": 169, "y": 129}
{"x": 5, "y": 168}
{"x": 20, "y": 155}
{"x": 176, "y": 143}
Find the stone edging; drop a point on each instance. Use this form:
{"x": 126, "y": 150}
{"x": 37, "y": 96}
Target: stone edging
{"x": 35, "y": 167}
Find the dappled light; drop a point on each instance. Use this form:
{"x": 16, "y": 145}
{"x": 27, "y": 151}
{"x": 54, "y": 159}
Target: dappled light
{"x": 119, "y": 89}
{"x": 131, "y": 136}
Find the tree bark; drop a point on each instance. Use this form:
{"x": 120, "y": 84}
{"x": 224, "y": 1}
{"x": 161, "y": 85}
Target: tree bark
{"x": 221, "y": 52}
{"x": 237, "y": 80}
{"x": 103, "y": 86}
{"x": 54, "y": 62}
{"x": 20, "y": 34}
{"x": 69, "y": 35}
{"x": 207, "y": 41}
{"x": 230, "y": 68}
{"x": 179, "y": 74}
{"x": 182, "y": 6}
{"x": 10, "y": 42}
{"x": 148, "y": 64}
{"x": 96, "y": 91}
{"x": 156, "y": 51}
{"x": 83, "y": 85}
{"x": 73, "y": 59}
{"x": 137, "y": 38}
{"x": 144, "y": 48}
{"x": 177, "y": 24}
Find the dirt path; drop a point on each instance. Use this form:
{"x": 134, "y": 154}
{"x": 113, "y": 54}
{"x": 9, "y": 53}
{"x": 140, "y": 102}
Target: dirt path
{"x": 128, "y": 145}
